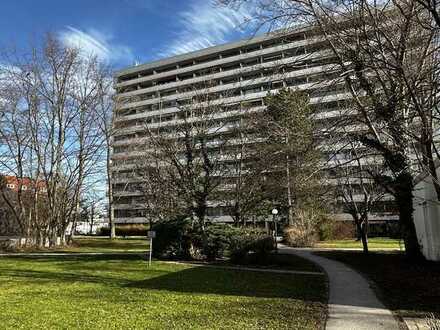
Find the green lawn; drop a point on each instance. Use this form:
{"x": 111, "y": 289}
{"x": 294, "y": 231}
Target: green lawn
{"x": 376, "y": 243}
{"x": 104, "y": 244}
{"x": 409, "y": 288}
{"x": 79, "y": 292}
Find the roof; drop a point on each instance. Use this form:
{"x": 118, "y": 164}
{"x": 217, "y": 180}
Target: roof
{"x": 24, "y": 181}
{"x": 208, "y": 51}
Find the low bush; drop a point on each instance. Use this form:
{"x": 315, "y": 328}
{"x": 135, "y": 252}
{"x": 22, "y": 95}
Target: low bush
{"x": 180, "y": 239}
{"x": 326, "y": 229}
{"x": 173, "y": 239}
{"x": 343, "y": 230}
{"x": 296, "y": 236}
{"x": 305, "y": 229}
{"x": 217, "y": 240}
{"x": 249, "y": 241}
{"x": 125, "y": 230}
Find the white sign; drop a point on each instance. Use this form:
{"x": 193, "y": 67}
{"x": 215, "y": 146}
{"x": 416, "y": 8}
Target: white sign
{"x": 151, "y": 234}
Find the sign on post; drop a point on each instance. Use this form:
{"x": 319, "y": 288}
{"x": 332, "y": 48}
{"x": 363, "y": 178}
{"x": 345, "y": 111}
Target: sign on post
{"x": 151, "y": 234}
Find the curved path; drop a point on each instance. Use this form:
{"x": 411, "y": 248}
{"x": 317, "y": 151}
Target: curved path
{"x": 352, "y": 303}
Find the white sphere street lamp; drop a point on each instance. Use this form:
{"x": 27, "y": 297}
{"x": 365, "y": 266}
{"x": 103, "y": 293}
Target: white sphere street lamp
{"x": 274, "y": 216}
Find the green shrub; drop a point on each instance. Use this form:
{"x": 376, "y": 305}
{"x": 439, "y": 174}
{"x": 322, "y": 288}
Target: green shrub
{"x": 326, "y": 230}
{"x": 248, "y": 241}
{"x": 173, "y": 238}
{"x": 178, "y": 238}
{"x": 216, "y": 240}
{"x": 125, "y": 230}
{"x": 238, "y": 248}
{"x": 332, "y": 229}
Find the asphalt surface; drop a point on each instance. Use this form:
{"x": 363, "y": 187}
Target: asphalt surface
{"x": 352, "y": 305}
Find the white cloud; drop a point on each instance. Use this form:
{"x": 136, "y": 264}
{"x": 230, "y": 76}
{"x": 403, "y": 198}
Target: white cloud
{"x": 204, "y": 25}
{"x": 96, "y": 43}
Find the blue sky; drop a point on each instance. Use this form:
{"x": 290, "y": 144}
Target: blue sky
{"x": 122, "y": 31}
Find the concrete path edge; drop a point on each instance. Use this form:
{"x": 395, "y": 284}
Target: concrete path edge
{"x": 352, "y": 304}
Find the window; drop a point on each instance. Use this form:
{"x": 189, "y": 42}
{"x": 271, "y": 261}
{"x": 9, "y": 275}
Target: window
{"x": 296, "y": 81}
{"x": 295, "y": 52}
{"x": 231, "y": 53}
{"x": 271, "y": 58}
{"x": 251, "y": 62}
{"x": 252, "y": 76}
{"x": 251, "y": 90}
{"x": 231, "y": 67}
{"x": 277, "y": 84}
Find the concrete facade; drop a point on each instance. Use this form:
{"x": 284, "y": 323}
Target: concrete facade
{"x": 242, "y": 72}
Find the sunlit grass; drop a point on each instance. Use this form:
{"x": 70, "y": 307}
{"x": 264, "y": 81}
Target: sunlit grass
{"x": 77, "y": 292}
{"x": 375, "y": 243}
{"x": 104, "y": 244}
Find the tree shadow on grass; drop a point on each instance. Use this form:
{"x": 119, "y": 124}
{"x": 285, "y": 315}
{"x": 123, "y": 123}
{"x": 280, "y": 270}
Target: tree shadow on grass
{"x": 113, "y": 271}
{"x": 55, "y": 257}
{"x": 200, "y": 280}
{"x": 36, "y": 276}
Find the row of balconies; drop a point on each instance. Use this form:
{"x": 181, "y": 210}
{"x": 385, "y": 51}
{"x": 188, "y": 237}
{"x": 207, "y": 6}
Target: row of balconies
{"x": 220, "y": 62}
{"x": 212, "y": 54}
{"x": 303, "y": 64}
{"x": 259, "y": 85}
{"x": 226, "y": 101}
{"x": 318, "y": 68}
{"x": 314, "y": 100}
{"x": 358, "y": 198}
{"x": 223, "y": 91}
{"x": 229, "y": 219}
{"x": 134, "y": 165}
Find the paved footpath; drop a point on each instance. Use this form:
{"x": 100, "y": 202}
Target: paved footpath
{"x": 352, "y": 303}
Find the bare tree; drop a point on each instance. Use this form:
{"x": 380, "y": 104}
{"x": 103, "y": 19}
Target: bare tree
{"x": 51, "y": 134}
{"x": 108, "y": 102}
{"x": 242, "y": 192}
{"x": 183, "y": 162}
{"x": 355, "y": 185}
{"x": 432, "y": 6}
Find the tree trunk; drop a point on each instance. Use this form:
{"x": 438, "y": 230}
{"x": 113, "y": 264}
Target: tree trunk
{"x": 111, "y": 218}
{"x": 289, "y": 191}
{"x": 364, "y": 240}
{"x": 432, "y": 168}
{"x": 112, "y": 222}
{"x": 92, "y": 216}
{"x": 404, "y": 200}
{"x": 363, "y": 231}
{"x": 361, "y": 223}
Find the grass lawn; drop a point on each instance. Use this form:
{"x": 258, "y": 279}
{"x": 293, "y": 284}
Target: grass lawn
{"x": 407, "y": 288}
{"x": 375, "y": 243}
{"x": 104, "y": 244}
{"x": 98, "y": 244}
{"x": 79, "y": 292}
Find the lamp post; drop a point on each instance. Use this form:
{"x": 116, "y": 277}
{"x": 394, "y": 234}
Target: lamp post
{"x": 274, "y": 216}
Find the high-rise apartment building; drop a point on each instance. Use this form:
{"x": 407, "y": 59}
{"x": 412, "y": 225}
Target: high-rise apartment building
{"x": 240, "y": 73}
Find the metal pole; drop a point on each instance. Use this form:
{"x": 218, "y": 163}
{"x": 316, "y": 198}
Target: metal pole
{"x": 276, "y": 231}
{"x": 151, "y": 251}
